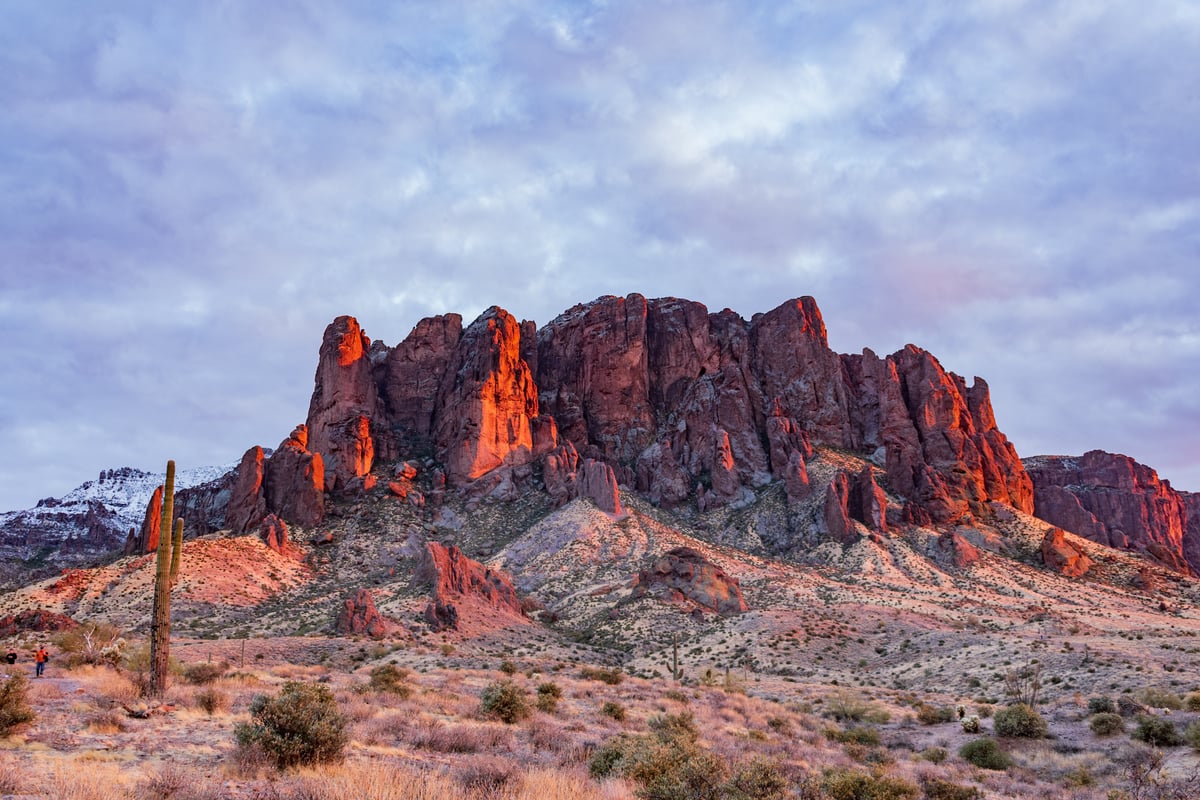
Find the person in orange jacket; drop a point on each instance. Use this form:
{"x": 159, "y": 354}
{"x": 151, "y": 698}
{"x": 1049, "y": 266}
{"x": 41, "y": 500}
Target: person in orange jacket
{"x": 39, "y": 659}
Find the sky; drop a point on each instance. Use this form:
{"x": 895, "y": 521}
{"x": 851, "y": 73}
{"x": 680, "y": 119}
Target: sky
{"x": 191, "y": 192}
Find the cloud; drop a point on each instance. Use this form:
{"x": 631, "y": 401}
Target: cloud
{"x": 202, "y": 189}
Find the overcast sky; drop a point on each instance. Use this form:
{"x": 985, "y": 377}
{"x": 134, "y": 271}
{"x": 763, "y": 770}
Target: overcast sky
{"x": 191, "y": 192}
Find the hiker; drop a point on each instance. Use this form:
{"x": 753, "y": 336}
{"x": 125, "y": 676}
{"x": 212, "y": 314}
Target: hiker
{"x": 39, "y": 659}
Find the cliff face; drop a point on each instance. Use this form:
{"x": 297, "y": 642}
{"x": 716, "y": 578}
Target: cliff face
{"x": 1115, "y": 501}
{"x": 678, "y": 403}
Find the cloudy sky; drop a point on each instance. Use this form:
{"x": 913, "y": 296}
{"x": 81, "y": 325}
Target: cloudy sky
{"x": 190, "y": 192}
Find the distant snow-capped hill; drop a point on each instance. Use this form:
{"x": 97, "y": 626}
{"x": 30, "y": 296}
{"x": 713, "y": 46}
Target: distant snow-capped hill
{"x": 89, "y": 522}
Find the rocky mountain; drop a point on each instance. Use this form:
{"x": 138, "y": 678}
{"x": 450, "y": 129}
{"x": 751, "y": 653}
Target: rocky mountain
{"x": 98, "y": 518}
{"x": 1115, "y": 501}
{"x": 694, "y": 410}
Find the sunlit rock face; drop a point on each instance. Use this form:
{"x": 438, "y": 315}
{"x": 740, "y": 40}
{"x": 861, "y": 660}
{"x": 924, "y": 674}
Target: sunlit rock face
{"x": 1115, "y": 501}
{"x": 663, "y": 397}
{"x": 486, "y": 402}
{"x": 344, "y": 401}
{"x": 453, "y": 578}
{"x": 684, "y": 574}
{"x": 294, "y": 482}
{"x": 1062, "y": 556}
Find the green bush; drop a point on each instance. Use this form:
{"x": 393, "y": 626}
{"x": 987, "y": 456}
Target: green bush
{"x": 984, "y": 752}
{"x": 938, "y": 789}
{"x": 1106, "y": 724}
{"x": 1192, "y": 702}
{"x": 391, "y": 679}
{"x": 847, "y": 784}
{"x": 1020, "y": 722}
{"x": 506, "y": 701}
{"x": 508, "y": 667}
{"x": 934, "y": 755}
{"x": 1157, "y": 732}
{"x": 14, "y": 704}
{"x": 614, "y": 710}
{"x": 301, "y": 725}
{"x": 1101, "y": 705}
{"x": 971, "y": 725}
{"x": 548, "y": 695}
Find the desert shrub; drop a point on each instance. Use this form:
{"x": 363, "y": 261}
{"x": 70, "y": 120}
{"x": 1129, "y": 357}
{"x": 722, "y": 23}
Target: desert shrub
{"x": 614, "y": 710}
{"x": 758, "y": 779}
{"x": 204, "y": 672}
{"x": 933, "y": 715}
{"x": 848, "y": 784}
{"x": 505, "y": 701}
{"x": 984, "y": 752}
{"x": 934, "y": 755}
{"x": 391, "y": 679}
{"x": 612, "y": 676}
{"x": 846, "y": 706}
{"x": 971, "y": 725}
{"x": 1020, "y": 722}
{"x": 1192, "y": 734}
{"x": 91, "y": 643}
{"x": 1106, "y": 724}
{"x": 212, "y": 700}
{"x": 301, "y": 725}
{"x": 679, "y": 727}
{"x": 855, "y": 734}
{"x": 14, "y": 703}
{"x": 1101, "y": 704}
{"x": 548, "y": 695}
{"x": 508, "y": 667}
{"x": 1160, "y": 698}
{"x": 1157, "y": 732}
{"x": 606, "y": 758}
{"x": 939, "y": 789}
{"x": 1128, "y": 707}
{"x": 985, "y": 710}
{"x": 106, "y": 721}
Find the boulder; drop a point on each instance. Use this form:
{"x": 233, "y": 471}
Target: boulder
{"x": 359, "y": 617}
{"x": 685, "y": 574}
{"x": 1062, "y": 556}
{"x": 836, "y": 515}
{"x": 274, "y": 533}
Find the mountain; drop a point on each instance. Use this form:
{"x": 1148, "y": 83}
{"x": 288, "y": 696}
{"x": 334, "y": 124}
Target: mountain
{"x": 1115, "y": 501}
{"x": 91, "y": 522}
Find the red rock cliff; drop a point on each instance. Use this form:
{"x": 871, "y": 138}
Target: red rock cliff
{"x": 1115, "y": 501}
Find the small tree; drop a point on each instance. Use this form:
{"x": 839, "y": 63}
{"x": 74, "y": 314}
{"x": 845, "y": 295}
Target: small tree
{"x": 14, "y": 705}
{"x": 1024, "y": 684}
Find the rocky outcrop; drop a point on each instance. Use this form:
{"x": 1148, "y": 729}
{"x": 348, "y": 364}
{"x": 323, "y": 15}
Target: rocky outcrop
{"x": 867, "y": 502}
{"x": 487, "y": 399}
{"x": 679, "y": 403}
{"x": 359, "y": 617}
{"x": 274, "y": 533}
{"x": 146, "y": 540}
{"x": 247, "y": 499}
{"x": 35, "y": 621}
{"x": 453, "y": 576}
{"x": 203, "y": 507}
{"x": 835, "y": 517}
{"x": 684, "y": 574}
{"x": 1115, "y": 501}
{"x": 1062, "y": 556}
{"x": 294, "y": 482}
{"x": 344, "y": 401}
{"x": 956, "y": 550}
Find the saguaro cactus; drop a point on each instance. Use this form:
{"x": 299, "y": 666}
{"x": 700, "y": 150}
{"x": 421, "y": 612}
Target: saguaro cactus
{"x": 170, "y": 550}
